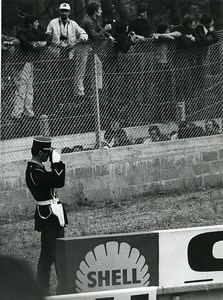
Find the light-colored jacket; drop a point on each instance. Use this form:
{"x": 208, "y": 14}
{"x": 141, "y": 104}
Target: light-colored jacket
{"x": 72, "y": 31}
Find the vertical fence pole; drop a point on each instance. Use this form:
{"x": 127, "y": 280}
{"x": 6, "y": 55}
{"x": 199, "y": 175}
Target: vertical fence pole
{"x": 44, "y": 126}
{"x": 96, "y": 104}
{"x": 221, "y": 72}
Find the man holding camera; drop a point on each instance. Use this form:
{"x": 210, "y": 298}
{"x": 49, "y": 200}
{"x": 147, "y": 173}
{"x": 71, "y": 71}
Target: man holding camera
{"x": 64, "y": 35}
{"x": 50, "y": 216}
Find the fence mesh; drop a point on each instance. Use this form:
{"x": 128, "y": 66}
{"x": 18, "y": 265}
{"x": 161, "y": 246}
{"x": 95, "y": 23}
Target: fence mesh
{"x": 77, "y": 94}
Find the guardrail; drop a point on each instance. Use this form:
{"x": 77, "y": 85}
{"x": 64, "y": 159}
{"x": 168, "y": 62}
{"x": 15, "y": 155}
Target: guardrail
{"x": 203, "y": 291}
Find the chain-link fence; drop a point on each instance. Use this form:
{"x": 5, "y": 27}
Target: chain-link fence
{"x": 79, "y": 93}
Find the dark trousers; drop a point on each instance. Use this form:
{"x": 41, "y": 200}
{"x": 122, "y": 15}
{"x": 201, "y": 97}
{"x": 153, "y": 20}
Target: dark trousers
{"x": 47, "y": 256}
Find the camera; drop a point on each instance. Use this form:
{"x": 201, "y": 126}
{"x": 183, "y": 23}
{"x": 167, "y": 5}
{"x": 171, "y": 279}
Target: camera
{"x": 6, "y": 43}
{"x": 63, "y": 38}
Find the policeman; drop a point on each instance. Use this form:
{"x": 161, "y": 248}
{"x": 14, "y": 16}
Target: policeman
{"x": 50, "y": 216}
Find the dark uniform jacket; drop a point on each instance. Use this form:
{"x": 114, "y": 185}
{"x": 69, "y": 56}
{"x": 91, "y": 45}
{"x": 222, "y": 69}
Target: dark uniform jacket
{"x": 42, "y": 184}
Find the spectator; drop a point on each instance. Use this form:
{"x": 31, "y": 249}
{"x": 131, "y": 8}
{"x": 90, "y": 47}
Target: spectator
{"x": 187, "y": 82}
{"x": 124, "y": 41}
{"x": 211, "y": 128}
{"x": 123, "y": 44}
{"x": 65, "y": 34}
{"x": 189, "y": 129}
{"x": 174, "y": 135}
{"x": 8, "y": 47}
{"x": 189, "y": 37}
{"x": 141, "y": 26}
{"x": 163, "y": 107}
{"x": 208, "y": 36}
{"x": 17, "y": 281}
{"x": 206, "y": 31}
{"x": 8, "y": 43}
{"x": 115, "y": 136}
{"x": 31, "y": 41}
{"x": 163, "y": 32}
{"x": 155, "y": 135}
{"x": 92, "y": 23}
{"x": 9, "y": 71}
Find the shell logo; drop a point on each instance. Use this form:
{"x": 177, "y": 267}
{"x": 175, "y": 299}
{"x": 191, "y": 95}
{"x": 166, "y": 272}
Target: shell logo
{"x": 112, "y": 265}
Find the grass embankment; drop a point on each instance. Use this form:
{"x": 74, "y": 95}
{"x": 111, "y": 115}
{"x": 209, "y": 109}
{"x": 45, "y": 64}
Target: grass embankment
{"x": 17, "y": 237}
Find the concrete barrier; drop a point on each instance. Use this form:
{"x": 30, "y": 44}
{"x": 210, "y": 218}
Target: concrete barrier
{"x": 124, "y": 172}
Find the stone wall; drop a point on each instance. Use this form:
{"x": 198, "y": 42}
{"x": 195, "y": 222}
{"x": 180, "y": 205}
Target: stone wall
{"x": 120, "y": 173}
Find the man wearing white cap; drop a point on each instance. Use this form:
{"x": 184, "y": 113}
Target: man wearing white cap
{"x": 64, "y": 34}
{"x": 50, "y": 216}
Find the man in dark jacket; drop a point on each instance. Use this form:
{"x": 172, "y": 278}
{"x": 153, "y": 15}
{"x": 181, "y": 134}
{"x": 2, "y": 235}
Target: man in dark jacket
{"x": 141, "y": 26}
{"x": 50, "y": 216}
{"x": 205, "y": 30}
{"x": 92, "y": 23}
{"x": 31, "y": 41}
{"x": 189, "y": 38}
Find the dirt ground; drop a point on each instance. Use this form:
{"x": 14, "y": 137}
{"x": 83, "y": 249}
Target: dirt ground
{"x": 158, "y": 212}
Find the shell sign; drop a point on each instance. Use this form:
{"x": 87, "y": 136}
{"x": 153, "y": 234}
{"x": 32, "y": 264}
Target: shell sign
{"x": 167, "y": 258}
{"x": 129, "y": 268}
{"x": 90, "y": 264}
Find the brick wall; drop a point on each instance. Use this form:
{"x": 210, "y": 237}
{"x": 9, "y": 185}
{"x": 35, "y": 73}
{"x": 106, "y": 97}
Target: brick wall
{"x": 120, "y": 173}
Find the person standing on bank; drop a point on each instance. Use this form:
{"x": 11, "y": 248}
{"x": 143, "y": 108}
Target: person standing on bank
{"x": 50, "y": 216}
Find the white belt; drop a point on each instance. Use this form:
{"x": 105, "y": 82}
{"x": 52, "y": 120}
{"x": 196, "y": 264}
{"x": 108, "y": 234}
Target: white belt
{"x": 48, "y": 202}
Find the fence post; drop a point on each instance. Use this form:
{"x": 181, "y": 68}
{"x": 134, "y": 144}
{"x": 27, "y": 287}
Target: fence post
{"x": 96, "y": 104}
{"x": 221, "y": 71}
{"x": 44, "y": 125}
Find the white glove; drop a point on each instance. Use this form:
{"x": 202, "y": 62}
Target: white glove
{"x": 55, "y": 156}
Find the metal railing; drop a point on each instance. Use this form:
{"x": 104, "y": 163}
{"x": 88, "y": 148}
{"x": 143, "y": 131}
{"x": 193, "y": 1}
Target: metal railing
{"x": 58, "y": 93}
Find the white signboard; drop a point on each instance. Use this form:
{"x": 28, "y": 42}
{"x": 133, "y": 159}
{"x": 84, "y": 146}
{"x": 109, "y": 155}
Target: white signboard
{"x": 191, "y": 255}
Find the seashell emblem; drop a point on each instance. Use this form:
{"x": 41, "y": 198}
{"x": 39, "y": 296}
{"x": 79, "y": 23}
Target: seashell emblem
{"x": 111, "y": 266}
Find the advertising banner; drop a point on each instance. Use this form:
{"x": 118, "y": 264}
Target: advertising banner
{"x": 167, "y": 258}
{"x": 89, "y": 264}
{"x": 191, "y": 255}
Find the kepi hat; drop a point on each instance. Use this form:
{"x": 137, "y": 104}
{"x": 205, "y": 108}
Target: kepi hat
{"x": 64, "y": 6}
{"x": 42, "y": 143}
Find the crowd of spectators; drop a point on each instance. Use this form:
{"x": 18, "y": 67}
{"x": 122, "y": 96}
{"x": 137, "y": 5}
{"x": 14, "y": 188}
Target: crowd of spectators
{"x": 116, "y": 136}
{"x": 63, "y": 34}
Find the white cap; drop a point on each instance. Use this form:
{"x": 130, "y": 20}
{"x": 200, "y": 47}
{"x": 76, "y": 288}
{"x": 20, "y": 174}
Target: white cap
{"x": 65, "y": 6}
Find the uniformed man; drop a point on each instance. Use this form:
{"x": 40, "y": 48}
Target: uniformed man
{"x": 50, "y": 216}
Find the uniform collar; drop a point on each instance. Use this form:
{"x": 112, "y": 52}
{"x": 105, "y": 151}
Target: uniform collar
{"x": 36, "y": 162}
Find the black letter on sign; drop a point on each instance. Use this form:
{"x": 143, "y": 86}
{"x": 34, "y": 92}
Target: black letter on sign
{"x": 93, "y": 281}
{"x": 200, "y": 252}
{"x": 140, "y": 297}
{"x": 111, "y": 298}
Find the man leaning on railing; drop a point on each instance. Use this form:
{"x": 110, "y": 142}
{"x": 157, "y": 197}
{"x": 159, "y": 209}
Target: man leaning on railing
{"x": 92, "y": 23}
{"x": 31, "y": 41}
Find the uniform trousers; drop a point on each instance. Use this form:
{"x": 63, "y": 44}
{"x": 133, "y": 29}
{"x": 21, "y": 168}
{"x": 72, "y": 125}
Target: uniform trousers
{"x": 47, "y": 256}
